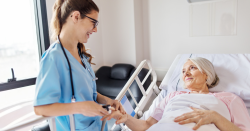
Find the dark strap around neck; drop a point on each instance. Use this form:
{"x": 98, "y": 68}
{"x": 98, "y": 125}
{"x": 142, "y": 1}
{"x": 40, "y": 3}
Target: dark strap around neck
{"x": 71, "y": 79}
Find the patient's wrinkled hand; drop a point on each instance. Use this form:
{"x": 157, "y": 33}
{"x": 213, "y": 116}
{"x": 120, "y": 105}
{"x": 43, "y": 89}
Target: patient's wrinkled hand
{"x": 121, "y": 118}
{"x": 198, "y": 116}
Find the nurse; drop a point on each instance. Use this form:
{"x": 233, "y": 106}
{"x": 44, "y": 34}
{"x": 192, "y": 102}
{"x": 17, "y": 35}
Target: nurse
{"x": 66, "y": 82}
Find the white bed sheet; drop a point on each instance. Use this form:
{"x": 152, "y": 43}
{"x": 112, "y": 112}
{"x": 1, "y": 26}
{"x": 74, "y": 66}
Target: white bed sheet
{"x": 168, "y": 127}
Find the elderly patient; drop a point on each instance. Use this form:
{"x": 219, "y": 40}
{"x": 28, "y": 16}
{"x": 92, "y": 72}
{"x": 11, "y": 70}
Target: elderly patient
{"x": 198, "y": 109}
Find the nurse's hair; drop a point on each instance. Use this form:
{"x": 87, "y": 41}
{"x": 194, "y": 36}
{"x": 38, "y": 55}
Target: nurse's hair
{"x": 62, "y": 10}
{"x": 205, "y": 66}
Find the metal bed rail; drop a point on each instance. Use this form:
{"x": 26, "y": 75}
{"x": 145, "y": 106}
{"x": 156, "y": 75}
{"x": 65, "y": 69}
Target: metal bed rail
{"x": 146, "y": 94}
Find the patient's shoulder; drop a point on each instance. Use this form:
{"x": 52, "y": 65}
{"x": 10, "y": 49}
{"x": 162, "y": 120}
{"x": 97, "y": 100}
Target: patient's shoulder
{"x": 226, "y": 97}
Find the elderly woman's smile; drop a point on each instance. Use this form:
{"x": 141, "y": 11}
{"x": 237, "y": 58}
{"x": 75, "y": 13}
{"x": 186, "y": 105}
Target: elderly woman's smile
{"x": 188, "y": 79}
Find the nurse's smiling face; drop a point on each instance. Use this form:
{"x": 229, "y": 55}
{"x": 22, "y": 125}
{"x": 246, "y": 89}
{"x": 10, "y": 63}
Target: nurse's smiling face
{"x": 86, "y": 26}
{"x": 194, "y": 80}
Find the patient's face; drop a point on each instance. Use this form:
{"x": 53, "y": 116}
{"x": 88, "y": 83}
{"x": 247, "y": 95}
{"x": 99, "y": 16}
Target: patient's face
{"x": 194, "y": 80}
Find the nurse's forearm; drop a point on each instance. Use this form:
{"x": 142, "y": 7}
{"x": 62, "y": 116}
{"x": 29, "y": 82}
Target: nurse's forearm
{"x": 57, "y": 109}
{"x": 102, "y": 99}
{"x": 86, "y": 108}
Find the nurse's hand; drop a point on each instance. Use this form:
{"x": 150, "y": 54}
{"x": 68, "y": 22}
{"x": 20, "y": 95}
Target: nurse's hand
{"x": 121, "y": 118}
{"x": 91, "y": 108}
{"x": 198, "y": 116}
{"x": 117, "y": 105}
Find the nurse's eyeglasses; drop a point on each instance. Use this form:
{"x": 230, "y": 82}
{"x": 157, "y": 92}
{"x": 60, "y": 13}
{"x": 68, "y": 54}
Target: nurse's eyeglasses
{"x": 94, "y": 21}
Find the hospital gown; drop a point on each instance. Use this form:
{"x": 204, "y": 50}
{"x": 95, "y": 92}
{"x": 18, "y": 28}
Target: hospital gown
{"x": 177, "y": 103}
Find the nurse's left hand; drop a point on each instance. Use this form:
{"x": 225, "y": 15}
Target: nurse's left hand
{"x": 117, "y": 105}
{"x": 198, "y": 116}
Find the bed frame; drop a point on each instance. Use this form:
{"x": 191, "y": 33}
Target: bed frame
{"x": 153, "y": 88}
{"x": 139, "y": 106}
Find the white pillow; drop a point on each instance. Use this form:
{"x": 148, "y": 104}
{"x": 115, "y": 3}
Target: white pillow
{"x": 172, "y": 77}
{"x": 232, "y": 69}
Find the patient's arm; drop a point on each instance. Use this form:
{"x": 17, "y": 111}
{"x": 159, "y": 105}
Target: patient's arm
{"x": 133, "y": 123}
{"x": 139, "y": 125}
{"x": 224, "y": 125}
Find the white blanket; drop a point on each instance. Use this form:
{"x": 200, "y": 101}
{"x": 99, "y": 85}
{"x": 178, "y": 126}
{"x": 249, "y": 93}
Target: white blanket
{"x": 168, "y": 127}
{"x": 180, "y": 104}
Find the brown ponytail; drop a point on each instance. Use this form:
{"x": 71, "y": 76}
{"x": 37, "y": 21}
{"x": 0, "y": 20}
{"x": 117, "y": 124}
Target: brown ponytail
{"x": 55, "y": 24}
{"x": 62, "y": 10}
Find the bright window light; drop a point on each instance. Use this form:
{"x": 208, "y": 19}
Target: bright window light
{"x": 18, "y": 49}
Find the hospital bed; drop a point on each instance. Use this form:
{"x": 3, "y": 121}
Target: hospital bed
{"x": 232, "y": 69}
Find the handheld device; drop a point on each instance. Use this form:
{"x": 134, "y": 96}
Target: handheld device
{"x": 107, "y": 107}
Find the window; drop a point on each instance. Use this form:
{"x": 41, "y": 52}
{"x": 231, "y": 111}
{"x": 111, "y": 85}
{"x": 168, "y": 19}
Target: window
{"x": 18, "y": 42}
{"x": 23, "y": 38}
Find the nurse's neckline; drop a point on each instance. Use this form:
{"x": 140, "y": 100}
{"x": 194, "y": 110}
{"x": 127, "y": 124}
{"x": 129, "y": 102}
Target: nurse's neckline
{"x": 69, "y": 54}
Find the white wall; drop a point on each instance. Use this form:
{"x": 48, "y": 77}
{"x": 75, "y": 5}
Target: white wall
{"x": 169, "y": 33}
{"x": 49, "y": 4}
{"x": 95, "y": 44}
{"x": 118, "y": 31}
{"x": 158, "y": 30}
{"x": 138, "y": 22}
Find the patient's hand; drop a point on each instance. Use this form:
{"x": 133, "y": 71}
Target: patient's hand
{"x": 116, "y": 104}
{"x": 198, "y": 116}
{"x": 120, "y": 118}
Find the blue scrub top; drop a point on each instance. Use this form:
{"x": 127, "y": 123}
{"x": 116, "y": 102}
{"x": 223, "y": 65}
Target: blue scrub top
{"x": 53, "y": 86}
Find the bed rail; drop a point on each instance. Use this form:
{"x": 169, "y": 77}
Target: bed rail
{"x": 139, "y": 106}
{"x": 146, "y": 94}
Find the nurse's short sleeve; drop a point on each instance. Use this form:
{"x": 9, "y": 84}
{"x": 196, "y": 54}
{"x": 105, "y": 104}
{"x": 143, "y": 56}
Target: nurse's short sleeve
{"x": 48, "y": 89}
